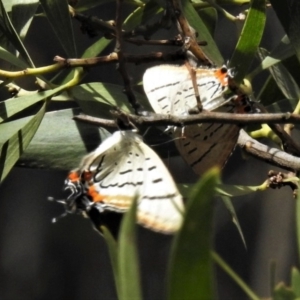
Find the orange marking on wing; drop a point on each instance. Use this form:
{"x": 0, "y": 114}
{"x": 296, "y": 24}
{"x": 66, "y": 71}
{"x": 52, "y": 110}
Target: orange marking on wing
{"x": 96, "y": 197}
{"x": 222, "y": 76}
{"x": 74, "y": 176}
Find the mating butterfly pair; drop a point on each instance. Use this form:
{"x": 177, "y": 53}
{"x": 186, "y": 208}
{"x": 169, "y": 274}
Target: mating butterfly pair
{"x": 124, "y": 167}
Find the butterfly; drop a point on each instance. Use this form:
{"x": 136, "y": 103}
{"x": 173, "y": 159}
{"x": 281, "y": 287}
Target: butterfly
{"x": 121, "y": 168}
{"x": 170, "y": 90}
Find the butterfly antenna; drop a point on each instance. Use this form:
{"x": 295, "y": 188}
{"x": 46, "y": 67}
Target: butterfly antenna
{"x": 54, "y": 220}
{"x": 146, "y": 131}
{"x": 61, "y": 201}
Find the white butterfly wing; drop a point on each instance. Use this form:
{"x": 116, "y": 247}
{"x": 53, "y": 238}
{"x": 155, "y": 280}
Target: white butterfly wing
{"x": 206, "y": 145}
{"x": 124, "y": 167}
{"x": 170, "y": 89}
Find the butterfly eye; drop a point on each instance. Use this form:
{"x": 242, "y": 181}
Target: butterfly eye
{"x": 224, "y": 69}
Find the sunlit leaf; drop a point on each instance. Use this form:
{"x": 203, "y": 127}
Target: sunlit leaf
{"x": 98, "y": 98}
{"x": 12, "y": 106}
{"x": 190, "y": 268}
{"x": 60, "y": 143}
{"x": 11, "y": 37}
{"x": 249, "y": 39}
{"x": 12, "y": 59}
{"x": 22, "y": 15}
{"x": 278, "y": 54}
{"x": 12, "y": 147}
{"x": 58, "y": 15}
{"x": 96, "y": 48}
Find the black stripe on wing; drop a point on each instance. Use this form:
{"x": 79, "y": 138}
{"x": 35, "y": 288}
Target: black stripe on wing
{"x": 164, "y": 86}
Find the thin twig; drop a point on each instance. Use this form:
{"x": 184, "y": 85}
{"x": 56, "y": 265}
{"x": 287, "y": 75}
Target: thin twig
{"x": 122, "y": 63}
{"x": 188, "y": 34}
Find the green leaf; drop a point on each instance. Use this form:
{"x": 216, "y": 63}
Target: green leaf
{"x": 295, "y": 281}
{"x": 141, "y": 15}
{"x": 57, "y": 12}
{"x": 211, "y": 50}
{"x": 235, "y": 277}
{"x": 283, "y": 51}
{"x": 11, "y": 36}
{"x": 235, "y": 190}
{"x": 283, "y": 78}
{"x": 83, "y": 5}
{"x": 190, "y": 266}
{"x": 282, "y": 292}
{"x": 283, "y": 105}
{"x": 22, "y": 15}
{"x": 228, "y": 204}
{"x": 12, "y": 59}
{"x": 12, "y": 148}
{"x": 96, "y": 48}
{"x": 222, "y": 189}
{"x": 209, "y": 16}
{"x": 288, "y": 14}
{"x": 113, "y": 253}
{"x": 98, "y": 98}
{"x": 270, "y": 92}
{"x": 249, "y": 39}
{"x": 12, "y": 106}
{"x": 60, "y": 143}
{"x": 128, "y": 267}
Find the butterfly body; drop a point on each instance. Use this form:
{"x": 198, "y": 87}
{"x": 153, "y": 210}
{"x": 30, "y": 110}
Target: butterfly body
{"x": 121, "y": 168}
{"x": 170, "y": 90}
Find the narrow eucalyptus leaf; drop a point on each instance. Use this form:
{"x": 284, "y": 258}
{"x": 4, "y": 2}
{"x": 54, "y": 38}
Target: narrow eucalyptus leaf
{"x": 190, "y": 266}
{"x": 57, "y": 13}
{"x": 60, "y": 143}
{"x": 12, "y": 148}
{"x": 128, "y": 267}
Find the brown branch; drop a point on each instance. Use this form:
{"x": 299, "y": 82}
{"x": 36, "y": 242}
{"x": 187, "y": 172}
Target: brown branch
{"x": 95, "y": 121}
{"x": 203, "y": 117}
{"x": 274, "y": 156}
{"x": 113, "y": 58}
{"x": 174, "y": 42}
